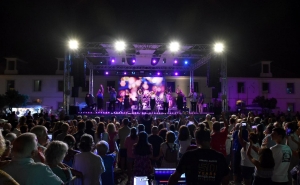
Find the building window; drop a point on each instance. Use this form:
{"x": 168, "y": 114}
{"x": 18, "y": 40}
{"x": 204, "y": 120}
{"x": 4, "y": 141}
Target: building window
{"x": 241, "y": 87}
{"x": 11, "y": 65}
{"x": 60, "y": 85}
{"x": 37, "y": 85}
{"x": 265, "y": 87}
{"x": 86, "y": 87}
{"x": 290, "y": 88}
{"x": 10, "y": 85}
{"x": 290, "y": 107}
{"x": 61, "y": 65}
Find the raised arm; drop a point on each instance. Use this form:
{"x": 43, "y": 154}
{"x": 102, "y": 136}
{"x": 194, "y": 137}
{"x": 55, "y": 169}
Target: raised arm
{"x": 254, "y": 161}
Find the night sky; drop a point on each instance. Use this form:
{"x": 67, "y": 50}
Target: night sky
{"x": 253, "y": 30}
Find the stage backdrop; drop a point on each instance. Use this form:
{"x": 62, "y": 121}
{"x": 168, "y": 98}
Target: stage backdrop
{"x": 148, "y": 84}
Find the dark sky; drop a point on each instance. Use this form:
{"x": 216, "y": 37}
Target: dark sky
{"x": 253, "y": 30}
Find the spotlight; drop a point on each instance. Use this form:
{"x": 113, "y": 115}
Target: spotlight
{"x": 164, "y": 60}
{"x": 158, "y": 73}
{"x": 73, "y": 44}
{"x": 154, "y": 61}
{"x": 112, "y": 60}
{"x": 133, "y": 60}
{"x": 176, "y": 73}
{"x": 125, "y": 73}
{"x": 120, "y": 45}
{"x": 106, "y": 73}
{"x": 175, "y": 62}
{"x": 174, "y": 46}
{"x": 219, "y": 47}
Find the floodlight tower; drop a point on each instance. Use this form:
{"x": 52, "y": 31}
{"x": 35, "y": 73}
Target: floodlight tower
{"x": 72, "y": 46}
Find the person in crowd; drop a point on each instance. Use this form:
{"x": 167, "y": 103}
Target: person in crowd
{"x": 179, "y": 100}
{"x": 55, "y": 154}
{"x": 108, "y": 161}
{"x": 215, "y": 169}
{"x": 219, "y": 136}
{"x": 200, "y": 103}
{"x": 112, "y": 99}
{"x": 282, "y": 156}
{"x": 246, "y": 165}
{"x": 89, "y": 128}
{"x": 143, "y": 153}
{"x": 41, "y": 133}
{"x": 267, "y": 142}
{"x": 208, "y": 122}
{"x": 155, "y": 140}
{"x": 123, "y": 132}
{"x": 100, "y": 98}
{"x": 101, "y": 133}
{"x": 79, "y": 133}
{"x": 112, "y": 137}
{"x": 147, "y": 121}
{"x": 69, "y": 158}
{"x": 126, "y": 101}
{"x": 163, "y": 133}
{"x": 90, "y": 164}
{"x": 193, "y": 97}
{"x": 23, "y": 168}
{"x": 65, "y": 129}
{"x": 184, "y": 139}
{"x": 169, "y": 151}
{"x": 23, "y": 129}
{"x": 264, "y": 165}
{"x": 129, "y": 142}
{"x": 4, "y": 177}
{"x": 166, "y": 99}
{"x": 260, "y": 133}
{"x": 56, "y": 129}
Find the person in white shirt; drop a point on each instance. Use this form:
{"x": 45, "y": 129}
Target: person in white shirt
{"x": 282, "y": 155}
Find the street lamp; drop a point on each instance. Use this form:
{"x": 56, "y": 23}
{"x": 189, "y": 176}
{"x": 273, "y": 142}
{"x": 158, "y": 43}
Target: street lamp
{"x": 219, "y": 47}
{"x": 73, "y": 44}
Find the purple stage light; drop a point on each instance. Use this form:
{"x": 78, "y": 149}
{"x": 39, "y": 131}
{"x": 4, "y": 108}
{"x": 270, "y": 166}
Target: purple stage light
{"x": 133, "y": 61}
{"x": 176, "y": 73}
{"x": 158, "y": 73}
{"x": 154, "y": 61}
{"x": 125, "y": 73}
{"x": 113, "y": 60}
{"x": 106, "y": 72}
{"x": 175, "y": 61}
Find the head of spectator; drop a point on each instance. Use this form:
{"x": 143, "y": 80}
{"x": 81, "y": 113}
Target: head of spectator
{"x": 170, "y": 137}
{"x": 111, "y": 128}
{"x": 70, "y": 141}
{"x": 172, "y": 127}
{"x": 140, "y": 128}
{"x": 11, "y": 137}
{"x": 7, "y": 126}
{"x": 86, "y": 143}
{"x": 23, "y": 129}
{"x": 213, "y": 119}
{"x": 133, "y": 133}
{"x": 202, "y": 136}
{"x": 163, "y": 133}
{"x": 65, "y": 128}
{"x": 161, "y": 126}
{"x": 278, "y": 135}
{"x": 192, "y": 128}
{"x": 41, "y": 133}
{"x": 216, "y": 126}
{"x": 269, "y": 129}
{"x": 100, "y": 129}
{"x": 55, "y": 153}
{"x": 207, "y": 117}
{"x": 154, "y": 130}
{"x": 25, "y": 146}
{"x": 97, "y": 119}
{"x": 22, "y": 120}
{"x": 277, "y": 124}
{"x": 184, "y": 133}
{"x": 89, "y": 125}
{"x": 232, "y": 121}
{"x": 125, "y": 121}
{"x": 102, "y": 148}
{"x": 142, "y": 147}
{"x": 81, "y": 126}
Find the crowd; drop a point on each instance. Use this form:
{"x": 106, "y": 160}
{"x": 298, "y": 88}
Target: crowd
{"x": 233, "y": 149}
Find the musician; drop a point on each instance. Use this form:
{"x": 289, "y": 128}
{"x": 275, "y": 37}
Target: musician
{"x": 179, "y": 100}
{"x": 112, "y": 99}
{"x": 166, "y": 97}
{"x": 152, "y": 100}
{"x": 89, "y": 100}
{"x": 126, "y": 100}
{"x": 193, "y": 97}
{"x": 100, "y": 98}
{"x": 200, "y": 102}
{"x": 140, "y": 100}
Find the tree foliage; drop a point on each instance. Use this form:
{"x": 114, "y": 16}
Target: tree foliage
{"x": 13, "y": 98}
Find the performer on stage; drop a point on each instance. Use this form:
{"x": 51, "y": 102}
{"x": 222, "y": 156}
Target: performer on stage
{"x": 179, "y": 100}
{"x": 152, "y": 100}
{"x": 89, "y": 100}
{"x": 200, "y": 103}
{"x": 112, "y": 99}
{"x": 166, "y": 98}
{"x": 193, "y": 97}
{"x": 140, "y": 100}
{"x": 100, "y": 98}
{"x": 126, "y": 101}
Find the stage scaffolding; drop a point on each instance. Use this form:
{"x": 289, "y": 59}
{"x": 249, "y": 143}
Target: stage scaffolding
{"x": 201, "y": 53}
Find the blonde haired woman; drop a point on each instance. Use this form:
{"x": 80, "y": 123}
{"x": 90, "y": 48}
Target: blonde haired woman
{"x": 112, "y": 137}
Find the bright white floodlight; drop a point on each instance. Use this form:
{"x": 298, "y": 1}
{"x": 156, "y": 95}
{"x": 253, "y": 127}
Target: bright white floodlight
{"x": 174, "y": 46}
{"x": 120, "y": 45}
{"x": 73, "y": 44}
{"x": 219, "y": 47}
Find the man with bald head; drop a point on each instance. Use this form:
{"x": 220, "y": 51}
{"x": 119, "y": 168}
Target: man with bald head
{"x": 22, "y": 167}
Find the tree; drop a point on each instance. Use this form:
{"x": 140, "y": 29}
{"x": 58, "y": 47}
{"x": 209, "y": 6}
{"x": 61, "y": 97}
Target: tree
{"x": 12, "y": 98}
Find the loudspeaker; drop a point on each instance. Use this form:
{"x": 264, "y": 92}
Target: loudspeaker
{"x": 73, "y": 110}
{"x": 75, "y": 91}
{"x": 78, "y": 71}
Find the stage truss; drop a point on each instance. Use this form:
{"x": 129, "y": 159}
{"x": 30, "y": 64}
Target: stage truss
{"x": 201, "y": 53}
